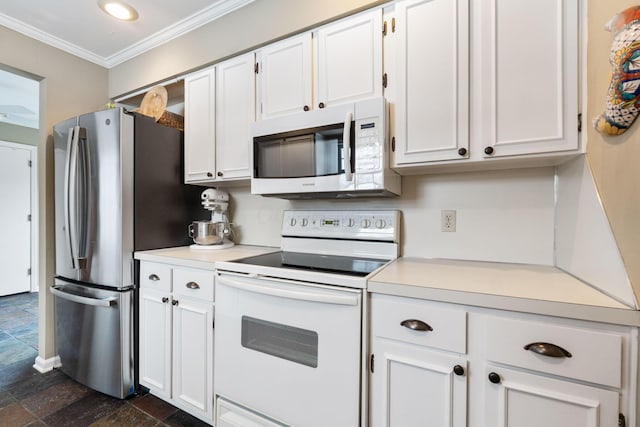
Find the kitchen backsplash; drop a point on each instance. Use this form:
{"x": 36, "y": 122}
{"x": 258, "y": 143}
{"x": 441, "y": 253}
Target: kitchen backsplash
{"x": 504, "y": 216}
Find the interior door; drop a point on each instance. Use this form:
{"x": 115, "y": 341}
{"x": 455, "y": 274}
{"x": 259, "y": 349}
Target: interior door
{"x": 15, "y": 226}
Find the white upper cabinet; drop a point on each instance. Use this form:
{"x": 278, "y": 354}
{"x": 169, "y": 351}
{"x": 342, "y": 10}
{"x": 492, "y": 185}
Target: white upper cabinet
{"x": 286, "y": 77}
{"x": 528, "y": 75}
{"x": 235, "y": 111}
{"x": 349, "y": 59}
{"x": 431, "y": 43}
{"x": 199, "y": 126}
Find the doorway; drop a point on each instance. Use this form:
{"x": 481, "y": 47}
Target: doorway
{"x": 17, "y": 218}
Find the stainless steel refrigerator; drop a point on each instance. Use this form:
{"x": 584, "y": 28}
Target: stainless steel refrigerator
{"x": 118, "y": 189}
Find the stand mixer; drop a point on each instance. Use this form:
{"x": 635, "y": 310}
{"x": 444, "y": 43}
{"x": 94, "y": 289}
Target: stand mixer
{"x": 212, "y": 234}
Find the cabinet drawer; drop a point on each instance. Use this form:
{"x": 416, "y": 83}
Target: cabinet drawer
{"x": 448, "y": 326}
{"x": 193, "y": 283}
{"x": 596, "y": 356}
{"x": 154, "y": 275}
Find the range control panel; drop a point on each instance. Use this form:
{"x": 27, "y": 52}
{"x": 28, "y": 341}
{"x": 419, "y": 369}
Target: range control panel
{"x": 354, "y": 225}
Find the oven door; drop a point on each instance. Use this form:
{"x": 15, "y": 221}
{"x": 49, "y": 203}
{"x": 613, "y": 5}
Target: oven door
{"x": 289, "y": 351}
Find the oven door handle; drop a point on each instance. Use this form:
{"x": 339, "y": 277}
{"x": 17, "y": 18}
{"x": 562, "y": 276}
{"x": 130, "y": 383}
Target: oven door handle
{"x": 303, "y": 294}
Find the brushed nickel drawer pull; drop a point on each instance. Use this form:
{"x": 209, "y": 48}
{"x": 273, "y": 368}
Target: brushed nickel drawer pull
{"x": 416, "y": 325}
{"x": 192, "y": 285}
{"x": 547, "y": 349}
{"x": 154, "y": 277}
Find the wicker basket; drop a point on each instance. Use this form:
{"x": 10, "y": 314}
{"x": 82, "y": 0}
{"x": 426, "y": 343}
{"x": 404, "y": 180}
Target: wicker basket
{"x": 172, "y": 120}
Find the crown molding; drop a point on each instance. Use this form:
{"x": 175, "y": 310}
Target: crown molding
{"x": 176, "y": 30}
{"x": 46, "y": 38}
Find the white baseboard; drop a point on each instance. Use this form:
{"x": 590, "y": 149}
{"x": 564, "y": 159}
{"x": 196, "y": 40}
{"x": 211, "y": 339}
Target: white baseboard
{"x": 45, "y": 365}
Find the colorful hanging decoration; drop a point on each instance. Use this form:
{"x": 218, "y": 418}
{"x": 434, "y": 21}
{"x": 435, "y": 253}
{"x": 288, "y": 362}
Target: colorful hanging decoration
{"x": 623, "y": 97}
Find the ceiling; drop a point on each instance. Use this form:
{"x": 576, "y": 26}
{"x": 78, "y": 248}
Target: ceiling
{"x": 80, "y": 27}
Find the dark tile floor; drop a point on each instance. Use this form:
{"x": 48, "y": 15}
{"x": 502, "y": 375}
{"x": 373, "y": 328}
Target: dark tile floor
{"x": 28, "y": 398}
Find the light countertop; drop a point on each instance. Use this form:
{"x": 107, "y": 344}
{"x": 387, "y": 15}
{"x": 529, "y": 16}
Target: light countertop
{"x": 201, "y": 258}
{"x": 518, "y": 287}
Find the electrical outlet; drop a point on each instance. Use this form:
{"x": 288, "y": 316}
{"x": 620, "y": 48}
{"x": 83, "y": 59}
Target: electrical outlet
{"x": 448, "y": 220}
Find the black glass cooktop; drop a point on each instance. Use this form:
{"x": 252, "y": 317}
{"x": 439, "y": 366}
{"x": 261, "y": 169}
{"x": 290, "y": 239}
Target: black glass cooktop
{"x": 352, "y": 266}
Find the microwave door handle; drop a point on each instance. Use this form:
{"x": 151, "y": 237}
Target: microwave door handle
{"x": 346, "y": 143}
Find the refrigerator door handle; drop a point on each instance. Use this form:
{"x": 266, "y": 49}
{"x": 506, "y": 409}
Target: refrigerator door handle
{"x": 70, "y": 169}
{"x": 83, "y": 198}
{"x": 106, "y": 302}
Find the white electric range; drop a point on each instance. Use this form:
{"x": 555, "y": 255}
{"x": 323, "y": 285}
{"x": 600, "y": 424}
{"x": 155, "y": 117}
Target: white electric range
{"x": 289, "y": 325}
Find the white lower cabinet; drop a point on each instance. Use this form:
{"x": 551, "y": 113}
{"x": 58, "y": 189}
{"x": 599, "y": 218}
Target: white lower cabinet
{"x": 518, "y": 369}
{"x": 193, "y": 355}
{"x": 528, "y": 399}
{"x": 155, "y": 341}
{"x": 412, "y": 386}
{"x": 413, "y": 382}
{"x": 176, "y": 337}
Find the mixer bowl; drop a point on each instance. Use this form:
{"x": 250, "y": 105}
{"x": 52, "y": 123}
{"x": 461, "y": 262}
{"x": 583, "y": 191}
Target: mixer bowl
{"x": 207, "y": 232}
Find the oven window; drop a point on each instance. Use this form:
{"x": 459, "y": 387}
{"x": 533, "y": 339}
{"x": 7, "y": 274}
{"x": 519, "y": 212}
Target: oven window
{"x": 283, "y": 341}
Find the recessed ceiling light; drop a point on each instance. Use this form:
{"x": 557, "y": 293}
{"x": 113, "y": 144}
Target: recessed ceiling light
{"x": 118, "y": 10}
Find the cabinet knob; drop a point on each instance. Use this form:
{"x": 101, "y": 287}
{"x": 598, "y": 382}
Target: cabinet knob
{"x": 488, "y": 150}
{"x": 154, "y": 277}
{"x": 209, "y": 174}
{"x": 458, "y": 370}
{"x": 305, "y": 108}
{"x": 174, "y": 302}
{"x": 416, "y": 325}
{"x": 321, "y": 105}
{"x": 494, "y": 378}
{"x": 547, "y": 349}
{"x": 462, "y": 151}
{"x": 219, "y": 174}
{"x": 165, "y": 300}
{"x": 192, "y": 285}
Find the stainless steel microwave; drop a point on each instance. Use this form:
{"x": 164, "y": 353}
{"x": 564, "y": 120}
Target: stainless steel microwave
{"x": 340, "y": 151}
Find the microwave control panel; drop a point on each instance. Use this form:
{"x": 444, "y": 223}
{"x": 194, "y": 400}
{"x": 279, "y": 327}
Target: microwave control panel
{"x": 366, "y": 225}
{"x": 369, "y": 145}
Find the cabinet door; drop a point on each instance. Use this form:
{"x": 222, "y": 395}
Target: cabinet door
{"x": 193, "y": 355}
{"x": 528, "y": 400}
{"x": 414, "y": 387}
{"x": 199, "y": 126}
{"x": 286, "y": 77}
{"x": 432, "y": 72}
{"x": 528, "y": 74}
{"x": 349, "y": 59}
{"x": 155, "y": 341}
{"x": 235, "y": 111}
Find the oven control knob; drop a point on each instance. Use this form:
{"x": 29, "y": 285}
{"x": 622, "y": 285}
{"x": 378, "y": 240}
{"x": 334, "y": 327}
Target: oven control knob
{"x": 351, "y": 222}
{"x": 381, "y": 223}
{"x": 305, "y": 222}
{"x": 366, "y": 223}
{"x": 292, "y": 222}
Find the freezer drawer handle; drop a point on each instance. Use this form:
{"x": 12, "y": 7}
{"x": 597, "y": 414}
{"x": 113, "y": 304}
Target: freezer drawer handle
{"x": 106, "y": 302}
{"x": 192, "y": 285}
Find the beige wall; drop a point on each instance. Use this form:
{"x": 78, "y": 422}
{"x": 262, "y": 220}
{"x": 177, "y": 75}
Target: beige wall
{"x": 70, "y": 86}
{"x": 615, "y": 161}
{"x": 246, "y": 28}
